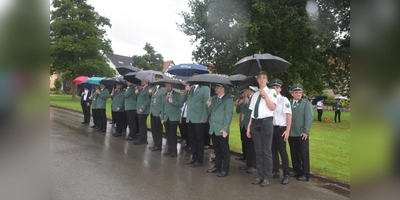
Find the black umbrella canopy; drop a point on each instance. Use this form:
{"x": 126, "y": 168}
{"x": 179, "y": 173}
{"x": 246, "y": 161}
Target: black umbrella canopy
{"x": 148, "y": 75}
{"x": 210, "y": 79}
{"x": 252, "y": 65}
{"x": 176, "y": 83}
{"x": 318, "y": 98}
{"x": 126, "y": 69}
{"x": 131, "y": 77}
{"x": 240, "y": 79}
{"x": 110, "y": 82}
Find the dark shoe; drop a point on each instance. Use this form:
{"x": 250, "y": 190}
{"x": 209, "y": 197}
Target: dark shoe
{"x": 93, "y": 126}
{"x": 257, "y": 181}
{"x": 174, "y": 154}
{"x": 276, "y": 175}
{"x": 111, "y": 123}
{"x": 222, "y": 174}
{"x": 265, "y": 183}
{"x": 239, "y": 158}
{"x": 167, "y": 153}
{"x": 285, "y": 180}
{"x": 129, "y": 138}
{"x": 140, "y": 142}
{"x": 83, "y": 122}
{"x": 102, "y": 131}
{"x": 152, "y": 147}
{"x": 295, "y": 175}
{"x": 191, "y": 162}
{"x": 251, "y": 170}
{"x": 212, "y": 170}
{"x": 197, "y": 164}
{"x": 156, "y": 149}
{"x": 244, "y": 167}
{"x": 206, "y": 146}
{"x": 212, "y": 159}
{"x": 118, "y": 135}
{"x": 302, "y": 178}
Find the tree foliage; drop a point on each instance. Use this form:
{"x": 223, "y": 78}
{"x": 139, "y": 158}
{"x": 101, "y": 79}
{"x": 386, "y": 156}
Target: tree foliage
{"x": 150, "y": 60}
{"x": 227, "y": 30}
{"x": 77, "y": 41}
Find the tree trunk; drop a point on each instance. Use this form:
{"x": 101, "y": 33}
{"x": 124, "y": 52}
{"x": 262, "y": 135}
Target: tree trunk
{"x": 73, "y": 89}
{"x": 59, "y": 77}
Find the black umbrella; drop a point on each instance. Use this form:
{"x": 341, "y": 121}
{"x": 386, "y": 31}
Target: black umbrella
{"x": 126, "y": 69}
{"x": 252, "y": 65}
{"x": 148, "y": 75}
{"x": 207, "y": 79}
{"x": 131, "y": 77}
{"x": 110, "y": 82}
{"x": 318, "y": 98}
{"x": 240, "y": 79}
{"x": 176, "y": 83}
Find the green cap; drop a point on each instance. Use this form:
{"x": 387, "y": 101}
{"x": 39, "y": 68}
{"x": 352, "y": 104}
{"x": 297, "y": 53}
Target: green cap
{"x": 276, "y": 81}
{"x": 243, "y": 88}
{"x": 223, "y": 85}
{"x": 296, "y": 86}
{"x": 263, "y": 73}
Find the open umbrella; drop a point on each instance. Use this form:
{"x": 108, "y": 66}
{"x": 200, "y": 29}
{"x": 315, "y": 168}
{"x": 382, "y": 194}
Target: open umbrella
{"x": 341, "y": 98}
{"x": 240, "y": 79}
{"x": 210, "y": 79}
{"x": 252, "y": 65}
{"x": 318, "y": 98}
{"x": 176, "y": 83}
{"x": 126, "y": 69}
{"x": 186, "y": 70}
{"x": 93, "y": 80}
{"x": 148, "y": 75}
{"x": 110, "y": 82}
{"x": 80, "y": 79}
{"x": 131, "y": 77}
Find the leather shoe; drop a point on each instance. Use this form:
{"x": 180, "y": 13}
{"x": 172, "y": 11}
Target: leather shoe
{"x": 191, "y": 162}
{"x": 212, "y": 170}
{"x": 239, "y": 158}
{"x": 285, "y": 180}
{"x": 265, "y": 183}
{"x": 83, "y": 122}
{"x": 93, "y": 126}
{"x": 167, "y": 153}
{"x": 118, "y": 135}
{"x": 206, "y": 146}
{"x": 244, "y": 167}
{"x": 257, "y": 181}
{"x": 222, "y": 174}
{"x": 129, "y": 138}
{"x": 276, "y": 175}
{"x": 295, "y": 175}
{"x": 156, "y": 149}
{"x": 251, "y": 170}
{"x": 302, "y": 178}
{"x": 197, "y": 164}
{"x": 174, "y": 154}
{"x": 140, "y": 142}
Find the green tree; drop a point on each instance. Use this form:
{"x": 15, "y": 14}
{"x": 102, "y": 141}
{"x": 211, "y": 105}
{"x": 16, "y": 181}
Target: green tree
{"x": 77, "y": 41}
{"x": 227, "y": 30}
{"x": 150, "y": 60}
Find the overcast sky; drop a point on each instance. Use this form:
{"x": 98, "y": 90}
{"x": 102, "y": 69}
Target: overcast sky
{"x": 135, "y": 22}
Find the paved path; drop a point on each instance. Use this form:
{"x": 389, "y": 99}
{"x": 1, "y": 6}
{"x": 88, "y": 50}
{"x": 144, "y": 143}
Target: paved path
{"x": 89, "y": 165}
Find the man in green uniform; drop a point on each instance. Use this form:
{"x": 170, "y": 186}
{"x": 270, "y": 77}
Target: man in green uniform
{"x": 220, "y": 110}
{"x": 118, "y": 105}
{"x": 130, "y": 110}
{"x": 101, "y": 106}
{"x": 155, "y": 109}
{"x": 143, "y": 109}
{"x": 170, "y": 114}
{"x": 95, "y": 115}
{"x": 302, "y": 119}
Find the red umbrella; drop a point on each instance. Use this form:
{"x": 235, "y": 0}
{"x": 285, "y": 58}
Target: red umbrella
{"x": 80, "y": 79}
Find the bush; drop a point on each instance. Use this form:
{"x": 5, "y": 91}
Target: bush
{"x": 57, "y": 84}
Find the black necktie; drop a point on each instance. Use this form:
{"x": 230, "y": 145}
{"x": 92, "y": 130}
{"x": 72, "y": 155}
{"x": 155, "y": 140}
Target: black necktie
{"x": 256, "y": 107}
{"x": 184, "y": 108}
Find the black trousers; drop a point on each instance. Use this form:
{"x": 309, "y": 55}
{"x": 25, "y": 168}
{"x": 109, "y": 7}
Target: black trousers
{"x": 250, "y": 152}
{"x": 243, "y": 138}
{"x": 279, "y": 145}
{"x": 102, "y": 119}
{"x": 319, "y": 114}
{"x": 156, "y": 130}
{"x": 95, "y": 116}
{"x": 207, "y": 137}
{"x": 112, "y": 115}
{"x": 299, "y": 151}
{"x": 131, "y": 118}
{"x": 196, "y": 138}
{"x": 170, "y": 129}
{"x": 337, "y": 114}
{"x": 124, "y": 120}
{"x": 222, "y": 152}
{"x": 86, "y": 112}
{"x": 183, "y": 127}
{"x": 119, "y": 121}
{"x": 143, "y": 127}
{"x": 261, "y": 131}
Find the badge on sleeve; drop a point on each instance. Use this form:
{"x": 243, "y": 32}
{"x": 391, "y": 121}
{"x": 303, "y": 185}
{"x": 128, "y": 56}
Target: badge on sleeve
{"x": 287, "y": 105}
{"x": 275, "y": 95}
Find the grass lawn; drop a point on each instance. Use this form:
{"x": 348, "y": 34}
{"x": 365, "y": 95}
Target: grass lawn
{"x": 329, "y": 141}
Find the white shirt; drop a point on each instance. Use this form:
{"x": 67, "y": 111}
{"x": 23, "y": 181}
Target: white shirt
{"x": 184, "y": 108}
{"x": 85, "y": 95}
{"x": 263, "y": 110}
{"x": 282, "y": 108}
{"x": 320, "y": 105}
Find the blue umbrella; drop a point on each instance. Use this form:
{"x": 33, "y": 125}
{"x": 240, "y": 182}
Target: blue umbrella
{"x": 186, "y": 70}
{"x": 93, "y": 80}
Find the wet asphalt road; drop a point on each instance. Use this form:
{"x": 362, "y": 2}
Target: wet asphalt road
{"x": 85, "y": 164}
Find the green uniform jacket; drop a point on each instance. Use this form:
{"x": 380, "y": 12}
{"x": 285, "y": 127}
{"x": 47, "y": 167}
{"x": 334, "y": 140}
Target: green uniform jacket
{"x": 155, "y": 103}
{"x": 244, "y": 109}
{"x": 302, "y": 118}
{"x": 94, "y": 99}
{"x": 171, "y": 111}
{"x": 143, "y": 101}
{"x": 196, "y": 104}
{"x": 118, "y": 101}
{"x": 220, "y": 114}
{"x": 102, "y": 99}
{"x": 130, "y": 98}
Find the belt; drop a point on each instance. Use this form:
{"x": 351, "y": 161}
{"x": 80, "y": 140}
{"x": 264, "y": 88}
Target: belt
{"x": 279, "y": 126}
{"x": 262, "y": 119}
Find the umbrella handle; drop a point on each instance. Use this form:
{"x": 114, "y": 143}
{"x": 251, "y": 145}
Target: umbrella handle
{"x": 259, "y": 65}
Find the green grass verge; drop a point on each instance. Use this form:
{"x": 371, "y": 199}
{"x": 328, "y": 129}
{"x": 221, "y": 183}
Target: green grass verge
{"x": 329, "y": 142}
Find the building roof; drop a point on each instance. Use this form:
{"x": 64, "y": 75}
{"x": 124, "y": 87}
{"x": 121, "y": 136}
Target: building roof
{"x": 119, "y": 60}
{"x": 167, "y": 64}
